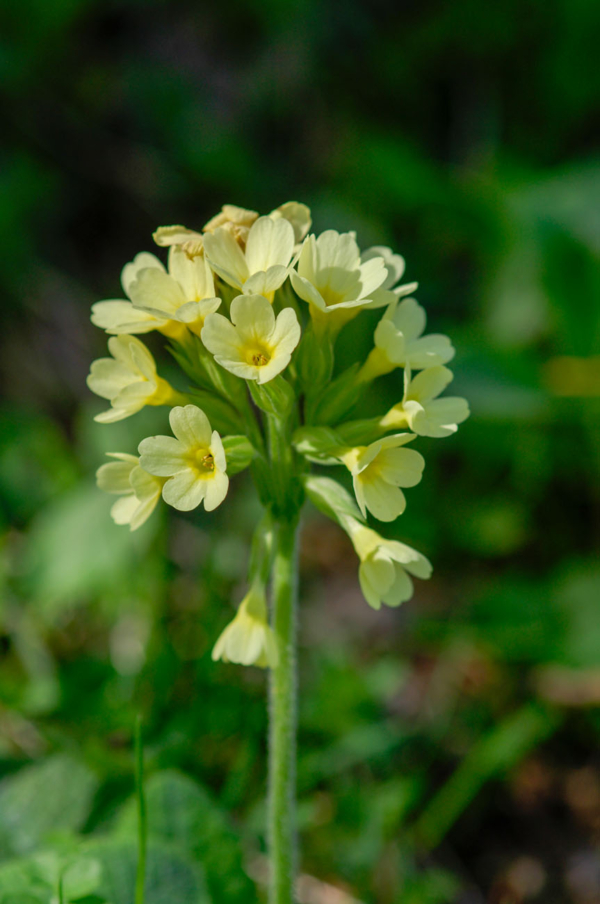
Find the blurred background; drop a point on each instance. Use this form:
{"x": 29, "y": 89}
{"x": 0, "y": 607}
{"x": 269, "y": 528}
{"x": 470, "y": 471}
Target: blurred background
{"x": 449, "y": 750}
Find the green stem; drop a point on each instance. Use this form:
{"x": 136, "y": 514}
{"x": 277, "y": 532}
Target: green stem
{"x": 140, "y": 879}
{"x": 282, "y": 735}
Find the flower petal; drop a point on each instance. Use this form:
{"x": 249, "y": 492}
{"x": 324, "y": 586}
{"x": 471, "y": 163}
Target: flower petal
{"x": 410, "y": 318}
{"x": 162, "y": 456}
{"x": 185, "y": 491}
{"x": 226, "y": 257}
{"x": 270, "y": 242}
{"x": 191, "y": 426}
{"x": 386, "y": 502}
{"x": 117, "y": 316}
{"x": 216, "y": 490}
{"x": 141, "y": 261}
{"x": 253, "y": 317}
{"x": 155, "y": 290}
{"x": 429, "y": 384}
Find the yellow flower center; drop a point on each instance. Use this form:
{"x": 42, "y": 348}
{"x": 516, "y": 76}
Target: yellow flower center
{"x": 331, "y": 297}
{"x": 202, "y": 459}
{"x": 258, "y": 357}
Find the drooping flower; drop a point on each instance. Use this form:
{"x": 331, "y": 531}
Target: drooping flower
{"x": 389, "y": 291}
{"x": 193, "y": 461}
{"x": 254, "y": 345}
{"x": 333, "y": 280}
{"x": 168, "y": 302}
{"x": 399, "y": 342}
{"x": 138, "y": 490}
{"x": 248, "y": 639}
{"x": 385, "y": 565}
{"x": 379, "y": 470}
{"x": 422, "y": 411}
{"x": 260, "y": 268}
{"x": 129, "y": 380}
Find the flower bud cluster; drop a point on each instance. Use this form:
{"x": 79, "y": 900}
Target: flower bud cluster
{"x": 252, "y": 306}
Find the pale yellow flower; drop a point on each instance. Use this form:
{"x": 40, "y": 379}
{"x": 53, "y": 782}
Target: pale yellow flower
{"x": 193, "y": 461}
{"x": 129, "y": 380}
{"x": 168, "y": 302}
{"x": 399, "y": 342}
{"x": 138, "y": 490}
{"x": 422, "y": 411}
{"x": 379, "y": 470}
{"x": 388, "y": 292}
{"x": 297, "y": 214}
{"x": 385, "y": 565}
{"x": 255, "y": 345}
{"x": 248, "y": 639}
{"x": 260, "y": 268}
{"x": 333, "y": 280}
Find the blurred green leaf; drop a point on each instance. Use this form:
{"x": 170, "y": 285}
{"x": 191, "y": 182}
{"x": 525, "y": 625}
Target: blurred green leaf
{"x": 492, "y": 757}
{"x": 42, "y": 799}
{"x": 181, "y": 812}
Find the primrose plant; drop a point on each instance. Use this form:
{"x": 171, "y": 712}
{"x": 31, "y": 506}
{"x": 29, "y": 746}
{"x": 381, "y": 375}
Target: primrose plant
{"x": 251, "y": 307}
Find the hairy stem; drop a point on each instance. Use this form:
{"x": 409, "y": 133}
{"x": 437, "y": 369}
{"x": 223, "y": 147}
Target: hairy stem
{"x": 282, "y": 735}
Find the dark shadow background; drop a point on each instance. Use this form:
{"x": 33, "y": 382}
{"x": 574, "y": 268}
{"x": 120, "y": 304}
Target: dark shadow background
{"x": 449, "y": 750}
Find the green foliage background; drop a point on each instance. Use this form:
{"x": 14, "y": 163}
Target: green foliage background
{"x": 448, "y": 750}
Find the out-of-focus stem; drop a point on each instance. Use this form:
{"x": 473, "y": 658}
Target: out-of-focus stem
{"x": 282, "y": 734}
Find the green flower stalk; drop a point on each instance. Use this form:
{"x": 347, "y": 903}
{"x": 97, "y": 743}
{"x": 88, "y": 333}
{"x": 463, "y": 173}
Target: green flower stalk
{"x": 251, "y": 307}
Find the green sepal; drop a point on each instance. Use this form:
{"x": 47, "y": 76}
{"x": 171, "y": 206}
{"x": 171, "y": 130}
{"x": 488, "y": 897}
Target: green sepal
{"x": 275, "y": 397}
{"x": 261, "y": 551}
{"x": 200, "y": 366}
{"x": 331, "y": 498}
{"x": 318, "y": 444}
{"x": 239, "y": 452}
{"x": 222, "y": 416}
{"x": 314, "y": 360}
{"x": 360, "y": 433}
{"x": 339, "y": 397}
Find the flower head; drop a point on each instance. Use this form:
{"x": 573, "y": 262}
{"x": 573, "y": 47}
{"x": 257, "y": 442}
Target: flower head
{"x": 128, "y": 379}
{"x": 388, "y": 292}
{"x": 254, "y": 345}
{"x": 193, "y": 462}
{"x": 332, "y": 278}
{"x": 379, "y": 470}
{"x": 422, "y": 411}
{"x": 263, "y": 265}
{"x": 385, "y": 565}
{"x": 399, "y": 343}
{"x": 248, "y": 639}
{"x": 138, "y": 490}
{"x": 168, "y": 302}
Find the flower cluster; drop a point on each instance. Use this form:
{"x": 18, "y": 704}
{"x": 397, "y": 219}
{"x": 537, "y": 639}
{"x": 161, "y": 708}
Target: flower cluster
{"x": 242, "y": 302}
